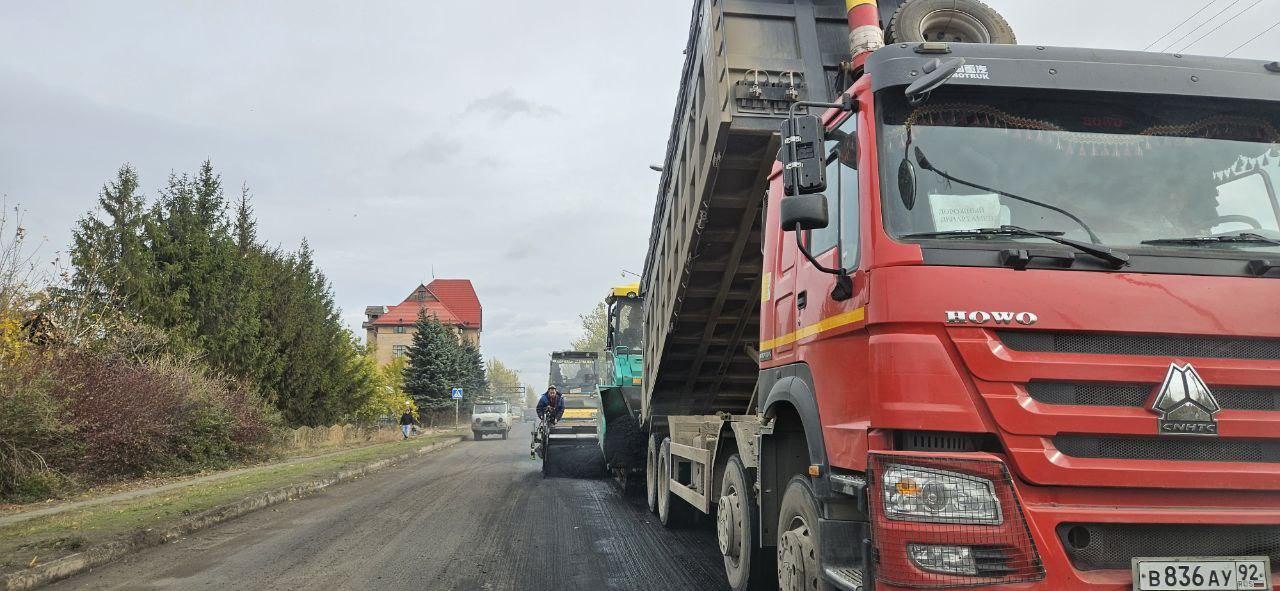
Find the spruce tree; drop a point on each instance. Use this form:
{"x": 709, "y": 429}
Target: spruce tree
{"x": 432, "y": 369}
{"x": 240, "y": 348}
{"x": 185, "y": 266}
{"x": 110, "y": 256}
{"x": 471, "y": 373}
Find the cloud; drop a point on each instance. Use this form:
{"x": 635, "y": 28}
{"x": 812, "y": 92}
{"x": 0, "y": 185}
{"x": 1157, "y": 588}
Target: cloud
{"x": 504, "y": 105}
{"x": 435, "y": 150}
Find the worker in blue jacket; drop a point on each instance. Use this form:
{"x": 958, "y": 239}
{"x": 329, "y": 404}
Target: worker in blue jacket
{"x": 551, "y": 406}
{"x": 551, "y": 399}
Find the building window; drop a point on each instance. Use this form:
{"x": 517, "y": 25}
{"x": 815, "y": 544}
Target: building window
{"x": 401, "y": 330}
{"x": 398, "y": 350}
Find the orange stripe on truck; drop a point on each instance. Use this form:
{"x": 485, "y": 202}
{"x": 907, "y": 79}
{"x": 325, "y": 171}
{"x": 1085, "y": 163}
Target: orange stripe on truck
{"x": 828, "y": 323}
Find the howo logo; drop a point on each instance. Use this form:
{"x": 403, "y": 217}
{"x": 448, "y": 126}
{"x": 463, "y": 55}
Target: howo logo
{"x": 984, "y": 317}
{"x": 1185, "y": 404}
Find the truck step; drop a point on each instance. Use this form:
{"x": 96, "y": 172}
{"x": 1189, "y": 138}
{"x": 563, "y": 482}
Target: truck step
{"x": 846, "y": 578}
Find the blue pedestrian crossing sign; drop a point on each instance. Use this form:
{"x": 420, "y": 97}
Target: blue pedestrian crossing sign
{"x": 457, "y": 393}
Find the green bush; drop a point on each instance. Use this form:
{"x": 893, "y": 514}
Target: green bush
{"x": 33, "y": 435}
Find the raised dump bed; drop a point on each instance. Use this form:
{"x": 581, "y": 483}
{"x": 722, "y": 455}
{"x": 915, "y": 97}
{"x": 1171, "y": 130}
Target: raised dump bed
{"x": 745, "y": 64}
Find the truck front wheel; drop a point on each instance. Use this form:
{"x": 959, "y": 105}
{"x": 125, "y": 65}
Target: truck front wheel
{"x": 747, "y": 566}
{"x": 798, "y": 566}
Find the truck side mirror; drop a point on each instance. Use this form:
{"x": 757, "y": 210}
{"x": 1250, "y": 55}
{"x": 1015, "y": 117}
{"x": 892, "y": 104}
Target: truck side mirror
{"x": 804, "y": 162}
{"x": 809, "y": 212}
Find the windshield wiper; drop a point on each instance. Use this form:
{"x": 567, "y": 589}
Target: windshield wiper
{"x": 928, "y": 165}
{"x": 1242, "y": 237}
{"x": 1116, "y": 258}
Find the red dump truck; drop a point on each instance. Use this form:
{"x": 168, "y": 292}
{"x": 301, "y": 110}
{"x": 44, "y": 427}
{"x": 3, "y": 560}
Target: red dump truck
{"x": 982, "y": 315}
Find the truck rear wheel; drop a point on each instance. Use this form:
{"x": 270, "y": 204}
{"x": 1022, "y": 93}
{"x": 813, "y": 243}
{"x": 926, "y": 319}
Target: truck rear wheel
{"x": 746, "y": 565}
{"x": 651, "y": 475}
{"x": 952, "y": 21}
{"x": 673, "y": 512}
{"x": 798, "y": 566}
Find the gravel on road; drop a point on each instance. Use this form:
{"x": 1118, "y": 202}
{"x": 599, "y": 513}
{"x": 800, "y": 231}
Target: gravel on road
{"x": 478, "y": 515}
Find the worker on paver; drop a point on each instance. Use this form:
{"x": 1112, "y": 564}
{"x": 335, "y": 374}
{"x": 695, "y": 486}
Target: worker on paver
{"x": 551, "y": 407}
{"x": 551, "y": 400}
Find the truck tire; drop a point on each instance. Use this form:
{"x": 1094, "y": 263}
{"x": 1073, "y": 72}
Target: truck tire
{"x": 798, "y": 565}
{"x": 504, "y": 434}
{"x": 651, "y": 475}
{"x": 476, "y": 436}
{"x": 747, "y": 566}
{"x": 673, "y": 512}
{"x": 953, "y": 21}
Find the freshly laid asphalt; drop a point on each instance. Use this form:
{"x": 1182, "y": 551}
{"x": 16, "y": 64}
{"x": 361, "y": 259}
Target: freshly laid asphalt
{"x": 478, "y": 515}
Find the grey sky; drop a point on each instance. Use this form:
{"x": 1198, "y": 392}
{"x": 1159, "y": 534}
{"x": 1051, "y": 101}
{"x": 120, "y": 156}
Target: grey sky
{"x": 507, "y": 145}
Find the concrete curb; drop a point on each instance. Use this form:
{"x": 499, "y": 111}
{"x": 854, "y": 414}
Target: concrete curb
{"x": 102, "y": 554}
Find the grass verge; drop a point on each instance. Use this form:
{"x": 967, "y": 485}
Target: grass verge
{"x": 45, "y": 538}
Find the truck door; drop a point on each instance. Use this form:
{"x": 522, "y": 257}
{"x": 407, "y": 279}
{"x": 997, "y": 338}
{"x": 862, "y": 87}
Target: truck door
{"x": 779, "y": 291}
{"x": 835, "y": 246}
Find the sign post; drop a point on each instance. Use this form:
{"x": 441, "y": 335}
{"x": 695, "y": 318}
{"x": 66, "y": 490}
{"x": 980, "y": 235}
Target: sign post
{"x": 457, "y": 401}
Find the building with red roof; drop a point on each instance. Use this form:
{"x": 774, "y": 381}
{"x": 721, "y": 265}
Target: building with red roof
{"x": 389, "y": 330}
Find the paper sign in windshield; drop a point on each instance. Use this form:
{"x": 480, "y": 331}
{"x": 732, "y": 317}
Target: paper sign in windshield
{"x": 966, "y": 212}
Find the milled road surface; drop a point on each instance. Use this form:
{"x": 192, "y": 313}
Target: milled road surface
{"x": 478, "y": 515}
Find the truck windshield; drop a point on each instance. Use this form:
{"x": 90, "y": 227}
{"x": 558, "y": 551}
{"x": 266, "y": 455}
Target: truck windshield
{"x": 574, "y": 373}
{"x": 1146, "y": 176}
{"x": 573, "y": 401}
{"x": 627, "y": 329}
{"x": 487, "y": 408}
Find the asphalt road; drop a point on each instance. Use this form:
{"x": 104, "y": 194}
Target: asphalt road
{"x": 478, "y": 515}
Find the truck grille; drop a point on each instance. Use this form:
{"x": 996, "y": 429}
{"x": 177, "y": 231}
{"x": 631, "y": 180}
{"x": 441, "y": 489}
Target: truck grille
{"x": 1077, "y": 394}
{"x": 1138, "y": 395}
{"x": 1151, "y": 345}
{"x": 1094, "y": 546}
{"x": 1187, "y": 449}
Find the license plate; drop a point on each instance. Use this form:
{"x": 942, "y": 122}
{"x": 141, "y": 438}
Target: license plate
{"x": 1202, "y": 574}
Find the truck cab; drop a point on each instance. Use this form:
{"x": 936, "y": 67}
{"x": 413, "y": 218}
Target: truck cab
{"x": 1020, "y": 330}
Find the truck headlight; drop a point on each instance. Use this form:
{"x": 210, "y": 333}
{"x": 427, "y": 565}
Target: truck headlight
{"x": 477, "y": 419}
{"x": 950, "y": 560}
{"x": 913, "y": 493}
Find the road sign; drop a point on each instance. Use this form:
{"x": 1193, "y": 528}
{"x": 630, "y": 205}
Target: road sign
{"x": 457, "y": 393}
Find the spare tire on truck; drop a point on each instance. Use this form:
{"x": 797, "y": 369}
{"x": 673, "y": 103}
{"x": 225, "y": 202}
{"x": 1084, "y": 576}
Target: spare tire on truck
{"x": 951, "y": 21}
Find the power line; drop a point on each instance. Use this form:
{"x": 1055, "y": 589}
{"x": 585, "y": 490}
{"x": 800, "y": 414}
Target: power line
{"x": 1179, "y": 25}
{"x": 1220, "y": 25}
{"x": 1254, "y": 38}
{"x": 1192, "y": 30}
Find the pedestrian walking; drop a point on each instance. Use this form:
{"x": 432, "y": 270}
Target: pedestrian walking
{"x": 407, "y": 421}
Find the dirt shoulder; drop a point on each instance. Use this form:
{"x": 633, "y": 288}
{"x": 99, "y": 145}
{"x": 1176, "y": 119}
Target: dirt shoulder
{"x": 131, "y": 518}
